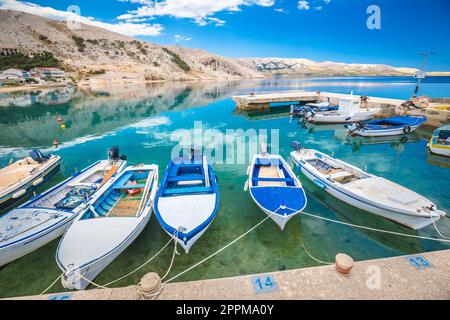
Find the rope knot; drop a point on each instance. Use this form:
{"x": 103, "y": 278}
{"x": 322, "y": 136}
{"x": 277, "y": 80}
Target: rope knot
{"x": 149, "y": 287}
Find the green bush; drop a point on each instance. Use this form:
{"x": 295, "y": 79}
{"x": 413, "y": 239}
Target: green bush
{"x": 79, "y": 42}
{"x": 21, "y": 61}
{"x": 178, "y": 61}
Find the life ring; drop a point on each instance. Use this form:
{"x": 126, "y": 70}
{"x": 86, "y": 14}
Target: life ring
{"x": 407, "y": 129}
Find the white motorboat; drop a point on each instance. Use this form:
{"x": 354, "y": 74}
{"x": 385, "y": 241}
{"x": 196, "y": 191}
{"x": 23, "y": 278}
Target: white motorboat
{"x": 366, "y": 191}
{"x": 349, "y": 111}
{"x": 46, "y": 216}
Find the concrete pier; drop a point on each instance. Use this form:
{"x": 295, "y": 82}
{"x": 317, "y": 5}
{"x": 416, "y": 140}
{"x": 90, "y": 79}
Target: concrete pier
{"x": 419, "y": 276}
{"x": 388, "y": 107}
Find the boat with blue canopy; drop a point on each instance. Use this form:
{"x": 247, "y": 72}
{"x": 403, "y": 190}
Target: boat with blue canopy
{"x": 188, "y": 198}
{"x": 116, "y": 215}
{"x": 387, "y": 126}
{"x": 275, "y": 188}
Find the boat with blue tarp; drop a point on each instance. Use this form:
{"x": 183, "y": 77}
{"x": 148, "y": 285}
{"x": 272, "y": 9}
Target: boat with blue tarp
{"x": 387, "y": 126}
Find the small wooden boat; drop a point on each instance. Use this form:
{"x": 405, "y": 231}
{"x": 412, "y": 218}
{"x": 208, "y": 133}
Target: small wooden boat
{"x": 188, "y": 198}
{"x": 275, "y": 188}
{"x": 46, "y": 216}
{"x": 387, "y": 126}
{"x": 23, "y": 176}
{"x": 116, "y": 215}
{"x": 366, "y": 191}
{"x": 440, "y": 141}
{"x": 349, "y": 111}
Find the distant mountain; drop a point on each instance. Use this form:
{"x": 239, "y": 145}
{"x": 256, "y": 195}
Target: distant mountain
{"x": 295, "y": 66}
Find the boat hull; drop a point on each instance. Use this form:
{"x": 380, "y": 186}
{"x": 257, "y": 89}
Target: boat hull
{"x": 28, "y": 245}
{"x": 385, "y": 132}
{"x": 404, "y": 218}
{"x": 281, "y": 221}
{"x": 92, "y": 270}
{"x": 324, "y": 118}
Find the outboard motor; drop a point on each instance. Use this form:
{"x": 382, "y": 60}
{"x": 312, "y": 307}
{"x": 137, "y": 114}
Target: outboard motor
{"x": 296, "y": 145}
{"x": 195, "y": 153}
{"x": 38, "y": 156}
{"x": 113, "y": 153}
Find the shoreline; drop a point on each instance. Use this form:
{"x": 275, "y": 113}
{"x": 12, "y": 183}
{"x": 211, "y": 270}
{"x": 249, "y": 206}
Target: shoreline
{"x": 109, "y": 82}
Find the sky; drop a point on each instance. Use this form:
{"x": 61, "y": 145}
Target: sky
{"x": 320, "y": 30}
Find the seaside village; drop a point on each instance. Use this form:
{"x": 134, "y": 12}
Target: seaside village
{"x": 36, "y": 76}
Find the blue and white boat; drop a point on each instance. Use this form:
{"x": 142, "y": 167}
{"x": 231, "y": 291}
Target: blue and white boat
{"x": 116, "y": 215}
{"x": 366, "y": 191}
{"x": 188, "y": 198}
{"x": 275, "y": 188}
{"x": 387, "y": 126}
{"x": 23, "y": 176}
{"x": 46, "y": 216}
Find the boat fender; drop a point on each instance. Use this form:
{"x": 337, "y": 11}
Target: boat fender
{"x": 246, "y": 186}
{"x": 320, "y": 184}
{"x": 19, "y": 193}
{"x": 344, "y": 263}
{"x": 38, "y": 181}
{"x": 407, "y": 129}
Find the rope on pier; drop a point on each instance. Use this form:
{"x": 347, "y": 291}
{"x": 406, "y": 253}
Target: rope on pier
{"x": 220, "y": 250}
{"x": 53, "y": 283}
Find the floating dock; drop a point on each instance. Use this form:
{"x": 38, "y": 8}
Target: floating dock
{"x": 387, "y": 106}
{"x": 419, "y": 276}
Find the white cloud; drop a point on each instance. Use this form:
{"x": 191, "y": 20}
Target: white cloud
{"x": 179, "y": 38}
{"x": 124, "y": 27}
{"x": 319, "y": 8}
{"x": 200, "y": 11}
{"x": 281, "y": 10}
{"x": 303, "y": 5}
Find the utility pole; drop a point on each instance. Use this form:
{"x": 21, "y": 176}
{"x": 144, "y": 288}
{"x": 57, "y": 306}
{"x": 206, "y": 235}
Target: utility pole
{"x": 421, "y": 74}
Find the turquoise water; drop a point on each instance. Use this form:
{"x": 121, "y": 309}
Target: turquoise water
{"x": 141, "y": 119}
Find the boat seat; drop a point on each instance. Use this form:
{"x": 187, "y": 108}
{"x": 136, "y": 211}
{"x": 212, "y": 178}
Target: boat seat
{"x": 267, "y": 162}
{"x": 174, "y": 191}
{"x": 186, "y": 177}
{"x": 340, "y": 174}
{"x": 129, "y": 186}
{"x": 273, "y": 179}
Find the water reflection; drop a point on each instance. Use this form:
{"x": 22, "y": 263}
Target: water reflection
{"x": 31, "y": 119}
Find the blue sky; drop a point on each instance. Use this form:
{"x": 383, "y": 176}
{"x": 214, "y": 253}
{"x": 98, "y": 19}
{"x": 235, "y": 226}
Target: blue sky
{"x": 333, "y": 30}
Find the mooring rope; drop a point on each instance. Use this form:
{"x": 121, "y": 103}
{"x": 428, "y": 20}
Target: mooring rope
{"x": 436, "y": 228}
{"x": 53, "y": 283}
{"x": 375, "y": 229}
{"x": 311, "y": 256}
{"x": 219, "y": 251}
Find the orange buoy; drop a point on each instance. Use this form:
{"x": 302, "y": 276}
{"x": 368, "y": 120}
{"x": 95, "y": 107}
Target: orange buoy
{"x": 59, "y": 119}
{"x": 55, "y": 143}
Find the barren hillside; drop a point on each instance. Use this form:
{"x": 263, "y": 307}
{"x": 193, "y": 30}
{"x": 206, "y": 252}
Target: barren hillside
{"x": 92, "y": 49}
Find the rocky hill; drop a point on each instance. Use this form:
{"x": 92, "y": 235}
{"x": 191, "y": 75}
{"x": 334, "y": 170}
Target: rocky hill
{"x": 94, "y": 51}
